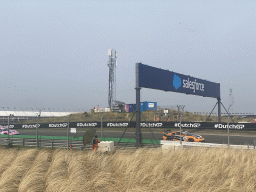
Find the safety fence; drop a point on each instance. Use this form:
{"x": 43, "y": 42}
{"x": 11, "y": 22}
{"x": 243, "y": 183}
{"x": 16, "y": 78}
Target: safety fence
{"x": 44, "y": 143}
{"x": 62, "y": 142}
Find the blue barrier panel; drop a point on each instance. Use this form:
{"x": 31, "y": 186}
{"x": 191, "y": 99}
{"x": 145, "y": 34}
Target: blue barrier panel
{"x": 156, "y": 78}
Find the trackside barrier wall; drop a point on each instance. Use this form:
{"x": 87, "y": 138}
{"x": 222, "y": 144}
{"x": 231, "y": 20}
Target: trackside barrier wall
{"x": 166, "y": 145}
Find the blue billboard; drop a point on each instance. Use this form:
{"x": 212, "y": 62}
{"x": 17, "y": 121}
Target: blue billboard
{"x": 156, "y": 78}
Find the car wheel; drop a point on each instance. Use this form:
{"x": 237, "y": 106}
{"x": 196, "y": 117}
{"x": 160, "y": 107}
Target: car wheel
{"x": 190, "y": 140}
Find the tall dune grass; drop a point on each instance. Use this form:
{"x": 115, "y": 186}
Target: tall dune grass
{"x": 16, "y": 169}
{"x": 192, "y": 170}
{"x": 7, "y": 156}
{"x": 34, "y": 179}
{"x": 57, "y": 172}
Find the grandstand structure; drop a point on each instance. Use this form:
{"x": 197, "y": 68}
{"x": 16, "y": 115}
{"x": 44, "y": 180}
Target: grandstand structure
{"x": 16, "y": 116}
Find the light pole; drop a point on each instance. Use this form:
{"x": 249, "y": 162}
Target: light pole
{"x": 228, "y": 128}
{"x": 231, "y": 102}
{"x": 9, "y": 130}
{"x": 101, "y": 127}
{"x": 68, "y": 133}
{"x": 182, "y": 108}
{"x": 180, "y": 131}
{"x": 38, "y": 115}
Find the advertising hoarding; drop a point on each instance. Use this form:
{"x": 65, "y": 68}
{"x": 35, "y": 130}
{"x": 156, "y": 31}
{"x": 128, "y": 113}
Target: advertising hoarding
{"x": 156, "y": 78}
{"x": 167, "y": 125}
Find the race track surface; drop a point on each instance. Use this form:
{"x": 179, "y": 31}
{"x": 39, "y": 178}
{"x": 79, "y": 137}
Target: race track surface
{"x": 220, "y": 139}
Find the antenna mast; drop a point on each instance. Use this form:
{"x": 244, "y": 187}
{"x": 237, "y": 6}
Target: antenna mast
{"x": 112, "y": 54}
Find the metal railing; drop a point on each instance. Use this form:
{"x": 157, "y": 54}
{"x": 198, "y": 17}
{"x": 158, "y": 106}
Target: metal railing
{"x": 56, "y": 143}
{"x": 17, "y": 119}
{"x": 45, "y": 143}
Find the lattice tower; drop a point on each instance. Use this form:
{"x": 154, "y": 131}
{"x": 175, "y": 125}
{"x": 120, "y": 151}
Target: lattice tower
{"x": 112, "y": 54}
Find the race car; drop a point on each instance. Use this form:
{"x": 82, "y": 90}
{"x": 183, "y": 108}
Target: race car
{"x": 4, "y": 131}
{"x": 185, "y": 136}
{"x": 12, "y": 132}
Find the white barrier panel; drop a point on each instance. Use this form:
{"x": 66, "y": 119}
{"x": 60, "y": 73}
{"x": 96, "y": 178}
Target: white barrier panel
{"x": 172, "y": 144}
{"x": 104, "y": 146}
{"x": 104, "y": 149}
{"x": 107, "y": 110}
{"x": 166, "y": 142}
{"x": 72, "y": 130}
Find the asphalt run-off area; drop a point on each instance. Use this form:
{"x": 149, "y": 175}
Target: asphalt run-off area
{"x": 209, "y": 138}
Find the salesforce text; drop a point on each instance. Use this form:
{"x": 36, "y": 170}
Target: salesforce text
{"x": 193, "y": 85}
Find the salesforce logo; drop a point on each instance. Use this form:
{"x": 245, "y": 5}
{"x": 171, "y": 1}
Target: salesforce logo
{"x": 176, "y": 81}
{"x": 187, "y": 84}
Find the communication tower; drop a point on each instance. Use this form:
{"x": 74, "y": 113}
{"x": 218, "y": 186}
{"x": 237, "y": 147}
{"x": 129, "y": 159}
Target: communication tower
{"x": 112, "y": 64}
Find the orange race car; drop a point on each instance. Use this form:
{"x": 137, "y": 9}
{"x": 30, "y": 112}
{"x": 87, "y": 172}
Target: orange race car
{"x": 185, "y": 136}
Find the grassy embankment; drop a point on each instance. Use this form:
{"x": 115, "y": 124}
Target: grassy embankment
{"x": 125, "y": 170}
{"x": 125, "y": 117}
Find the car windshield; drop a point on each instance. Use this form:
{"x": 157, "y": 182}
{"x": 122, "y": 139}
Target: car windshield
{"x": 187, "y": 133}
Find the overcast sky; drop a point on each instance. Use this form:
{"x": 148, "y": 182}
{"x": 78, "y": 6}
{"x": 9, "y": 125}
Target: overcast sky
{"x": 54, "y": 54}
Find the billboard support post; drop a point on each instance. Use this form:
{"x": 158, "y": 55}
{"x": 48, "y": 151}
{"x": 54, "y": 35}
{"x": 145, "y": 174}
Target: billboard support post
{"x": 227, "y": 112}
{"x": 212, "y": 111}
{"x": 219, "y": 110}
{"x": 137, "y": 88}
{"x": 126, "y": 128}
{"x": 138, "y": 131}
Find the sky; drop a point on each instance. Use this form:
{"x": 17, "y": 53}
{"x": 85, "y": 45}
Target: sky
{"x": 54, "y": 54}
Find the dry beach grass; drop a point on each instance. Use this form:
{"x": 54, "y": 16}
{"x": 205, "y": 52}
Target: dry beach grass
{"x": 128, "y": 170}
